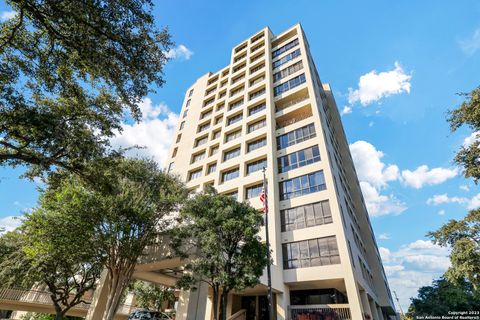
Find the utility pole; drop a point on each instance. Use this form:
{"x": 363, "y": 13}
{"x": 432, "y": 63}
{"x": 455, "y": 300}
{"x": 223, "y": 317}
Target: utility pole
{"x": 264, "y": 199}
{"x": 398, "y": 302}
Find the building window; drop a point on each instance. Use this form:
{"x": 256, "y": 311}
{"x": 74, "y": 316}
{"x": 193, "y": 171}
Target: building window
{"x": 182, "y": 125}
{"x": 302, "y": 185}
{"x": 310, "y": 253}
{"x": 296, "y": 136}
{"x": 185, "y": 113}
{"x": 203, "y": 127}
{"x": 212, "y": 168}
{"x": 206, "y": 114}
{"x": 174, "y": 154}
{"x": 198, "y": 157}
{"x": 233, "y": 194}
{"x": 214, "y": 150}
{"x": 231, "y": 174}
{"x": 256, "y": 166}
{"x": 257, "y": 125}
{"x": 231, "y": 154}
{"x": 257, "y": 94}
{"x": 221, "y": 106}
{"x": 254, "y": 191}
{"x": 256, "y": 144}
{"x": 305, "y": 216}
{"x": 234, "y": 119}
{"x": 170, "y": 167}
{"x": 288, "y": 71}
{"x": 290, "y": 84}
{"x": 285, "y": 59}
{"x": 218, "y": 119}
{"x": 298, "y": 159}
{"x": 216, "y": 134}
{"x": 256, "y": 68}
{"x": 190, "y": 93}
{"x": 235, "y": 104}
{"x": 179, "y": 137}
{"x": 285, "y": 48}
{"x": 188, "y": 103}
{"x": 233, "y": 135}
{"x": 195, "y": 174}
{"x": 201, "y": 141}
{"x": 256, "y": 109}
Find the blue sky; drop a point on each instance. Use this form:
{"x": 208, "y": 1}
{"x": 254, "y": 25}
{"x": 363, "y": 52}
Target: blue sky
{"x": 396, "y": 66}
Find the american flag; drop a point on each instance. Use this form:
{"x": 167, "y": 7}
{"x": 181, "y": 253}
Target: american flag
{"x": 264, "y": 199}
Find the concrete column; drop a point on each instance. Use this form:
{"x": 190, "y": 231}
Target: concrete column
{"x": 380, "y": 313}
{"x": 99, "y": 300}
{"x": 283, "y": 301}
{"x": 365, "y": 304}
{"x": 373, "y": 309}
{"x": 192, "y": 304}
{"x": 354, "y": 300}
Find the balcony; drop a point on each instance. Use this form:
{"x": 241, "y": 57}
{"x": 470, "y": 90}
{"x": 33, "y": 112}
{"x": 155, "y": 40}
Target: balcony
{"x": 294, "y": 116}
{"x": 319, "y": 311}
{"x": 291, "y": 100}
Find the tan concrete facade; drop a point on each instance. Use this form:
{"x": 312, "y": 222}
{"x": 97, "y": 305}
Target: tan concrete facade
{"x": 267, "y": 104}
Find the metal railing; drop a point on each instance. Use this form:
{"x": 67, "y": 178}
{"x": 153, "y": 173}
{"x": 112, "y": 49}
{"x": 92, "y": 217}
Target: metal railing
{"x": 291, "y": 103}
{"x": 239, "y": 315}
{"x": 293, "y": 120}
{"x": 43, "y": 298}
{"x": 319, "y": 311}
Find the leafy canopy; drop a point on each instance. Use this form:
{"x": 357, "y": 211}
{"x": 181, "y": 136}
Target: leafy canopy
{"x": 444, "y": 296}
{"x": 68, "y": 70}
{"x": 468, "y": 113}
{"x": 220, "y": 238}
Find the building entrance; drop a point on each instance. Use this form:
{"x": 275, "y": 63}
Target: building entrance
{"x": 256, "y": 307}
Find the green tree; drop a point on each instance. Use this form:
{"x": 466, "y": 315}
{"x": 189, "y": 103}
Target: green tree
{"x": 68, "y": 71}
{"x": 126, "y": 205}
{"x": 220, "y": 237}
{"x": 463, "y": 236}
{"x": 15, "y": 269}
{"x": 468, "y": 114}
{"x": 153, "y": 296}
{"x": 444, "y": 296}
{"x": 61, "y": 247}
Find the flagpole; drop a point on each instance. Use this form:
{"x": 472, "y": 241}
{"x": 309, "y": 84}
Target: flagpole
{"x": 269, "y": 273}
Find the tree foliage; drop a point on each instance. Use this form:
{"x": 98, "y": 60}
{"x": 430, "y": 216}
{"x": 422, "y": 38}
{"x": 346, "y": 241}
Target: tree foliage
{"x": 127, "y": 206}
{"x": 68, "y": 70}
{"x": 468, "y": 113}
{"x": 153, "y": 296}
{"x": 220, "y": 237}
{"x": 463, "y": 236}
{"x": 444, "y": 296}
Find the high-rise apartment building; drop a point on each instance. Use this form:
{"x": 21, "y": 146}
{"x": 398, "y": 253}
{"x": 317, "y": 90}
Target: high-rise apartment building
{"x": 268, "y": 108}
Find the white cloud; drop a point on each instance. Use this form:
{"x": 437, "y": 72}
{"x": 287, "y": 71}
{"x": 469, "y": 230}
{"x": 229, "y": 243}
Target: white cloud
{"x": 384, "y": 236}
{"x": 374, "y": 86}
{"x": 464, "y": 188}
{"x": 412, "y": 266}
{"x": 471, "y": 44}
{"x": 441, "y": 212}
{"x": 179, "y": 52}
{"x": 444, "y": 198}
{"x": 378, "y": 204}
{"x": 369, "y": 166}
{"x": 154, "y": 133}
{"x": 9, "y": 223}
{"x": 7, "y": 15}
{"x": 371, "y": 123}
{"x": 423, "y": 176}
{"x": 475, "y": 136}
{"x": 474, "y": 203}
{"x": 346, "y": 110}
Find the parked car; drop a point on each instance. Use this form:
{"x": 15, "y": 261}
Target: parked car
{"x": 144, "y": 314}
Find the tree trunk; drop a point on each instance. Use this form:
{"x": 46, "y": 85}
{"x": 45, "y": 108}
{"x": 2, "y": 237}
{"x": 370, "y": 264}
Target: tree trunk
{"x": 223, "y": 305}
{"x": 117, "y": 282}
{"x": 215, "y": 303}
